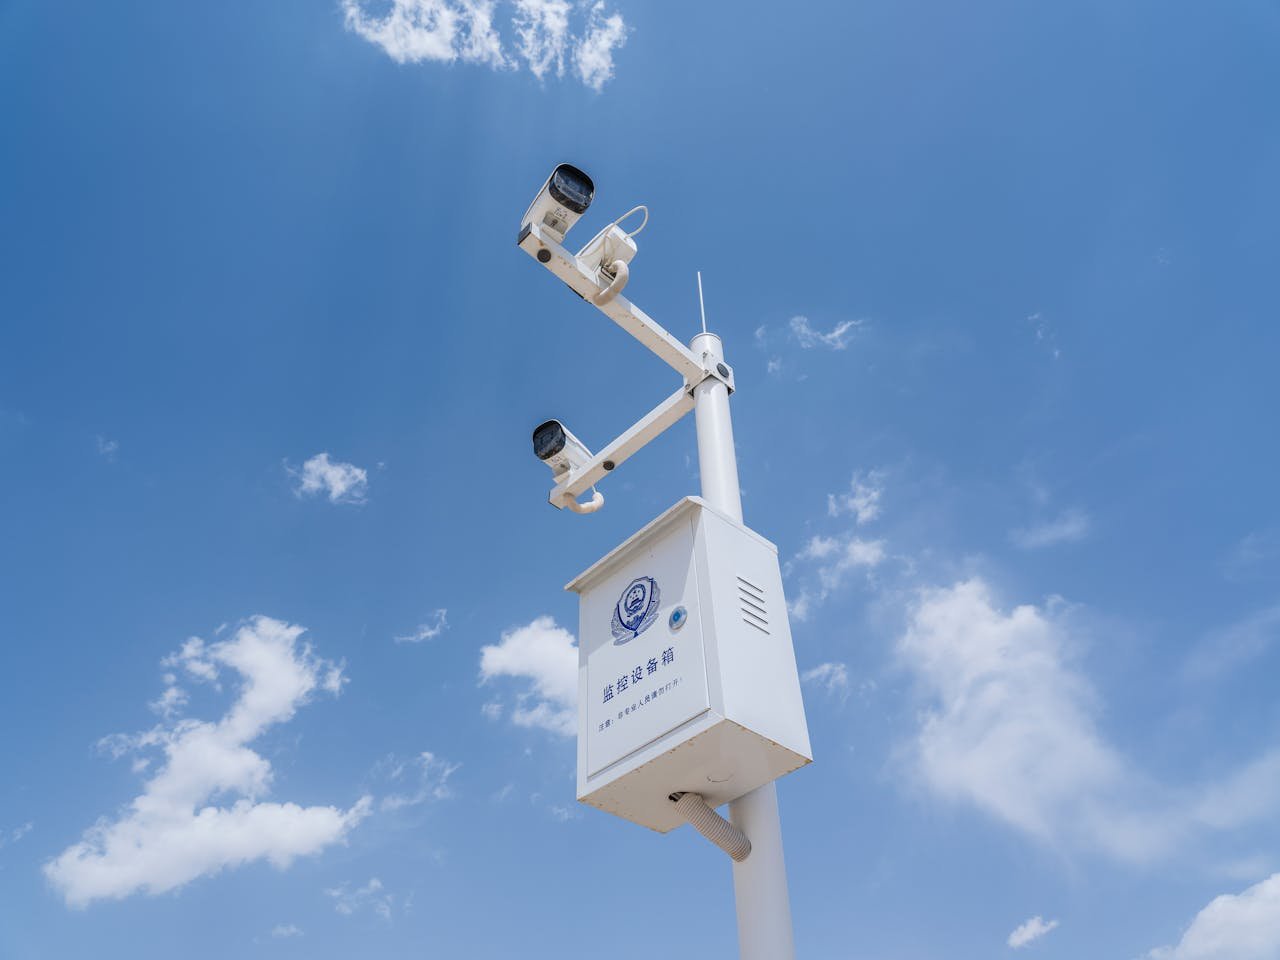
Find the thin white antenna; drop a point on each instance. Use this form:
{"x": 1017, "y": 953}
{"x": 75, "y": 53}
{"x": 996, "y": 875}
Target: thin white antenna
{"x": 701, "y": 305}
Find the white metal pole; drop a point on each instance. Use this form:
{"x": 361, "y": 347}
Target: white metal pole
{"x": 760, "y": 881}
{"x": 717, "y": 462}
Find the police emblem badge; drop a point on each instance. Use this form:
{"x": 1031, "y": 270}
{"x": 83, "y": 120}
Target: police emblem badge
{"x": 635, "y": 610}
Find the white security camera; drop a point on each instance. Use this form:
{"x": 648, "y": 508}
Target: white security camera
{"x": 559, "y": 449}
{"x": 561, "y": 201}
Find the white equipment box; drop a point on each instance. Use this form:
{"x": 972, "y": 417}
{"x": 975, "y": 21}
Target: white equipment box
{"x": 686, "y": 672}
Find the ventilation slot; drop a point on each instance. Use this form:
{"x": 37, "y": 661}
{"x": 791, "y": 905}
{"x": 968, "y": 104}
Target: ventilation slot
{"x": 751, "y": 602}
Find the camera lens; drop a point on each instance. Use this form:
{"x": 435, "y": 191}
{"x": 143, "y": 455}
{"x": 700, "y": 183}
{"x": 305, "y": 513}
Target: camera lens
{"x": 572, "y": 188}
{"x": 548, "y": 439}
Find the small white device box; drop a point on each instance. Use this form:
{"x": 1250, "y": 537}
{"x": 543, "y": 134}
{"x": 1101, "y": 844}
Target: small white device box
{"x": 687, "y": 676}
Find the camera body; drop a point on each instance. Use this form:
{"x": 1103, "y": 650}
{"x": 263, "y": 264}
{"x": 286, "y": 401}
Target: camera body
{"x": 562, "y": 200}
{"x": 559, "y": 449}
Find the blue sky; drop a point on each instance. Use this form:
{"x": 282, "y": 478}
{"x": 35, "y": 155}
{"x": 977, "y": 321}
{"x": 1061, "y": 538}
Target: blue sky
{"x": 288, "y": 667}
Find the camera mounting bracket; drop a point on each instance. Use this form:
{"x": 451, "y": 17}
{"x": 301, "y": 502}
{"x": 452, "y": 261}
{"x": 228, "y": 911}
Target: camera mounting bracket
{"x": 651, "y": 425}
{"x": 535, "y": 241}
{"x": 694, "y": 368}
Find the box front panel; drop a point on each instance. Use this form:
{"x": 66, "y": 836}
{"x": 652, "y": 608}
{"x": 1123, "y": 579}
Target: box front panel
{"x": 642, "y": 648}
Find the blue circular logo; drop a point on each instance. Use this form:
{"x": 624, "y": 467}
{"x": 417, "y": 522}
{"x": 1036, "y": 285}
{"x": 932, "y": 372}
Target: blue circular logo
{"x": 635, "y": 610}
{"x": 678, "y": 617}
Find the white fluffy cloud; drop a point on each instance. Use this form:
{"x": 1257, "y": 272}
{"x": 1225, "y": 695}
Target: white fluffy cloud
{"x": 203, "y": 809}
{"x": 1009, "y": 720}
{"x": 593, "y": 55}
{"x": 340, "y": 482}
{"x": 372, "y": 896}
{"x": 542, "y": 27}
{"x": 833, "y": 558}
{"x": 831, "y": 677}
{"x": 444, "y": 30}
{"x": 862, "y": 499}
{"x": 424, "y": 778}
{"x": 13, "y": 836}
{"x": 843, "y": 554}
{"x": 546, "y": 656}
{"x": 1031, "y": 930}
{"x": 837, "y": 338}
{"x": 1009, "y": 725}
{"x": 436, "y": 625}
{"x": 1243, "y": 926}
{"x": 542, "y": 31}
{"x": 825, "y": 562}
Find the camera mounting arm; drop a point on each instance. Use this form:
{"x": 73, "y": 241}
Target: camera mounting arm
{"x": 604, "y": 293}
{"x": 651, "y": 425}
{"x": 535, "y": 241}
